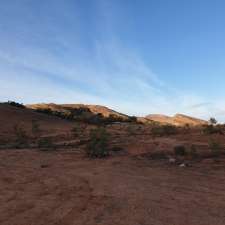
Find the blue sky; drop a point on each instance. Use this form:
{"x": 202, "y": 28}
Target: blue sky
{"x": 135, "y": 56}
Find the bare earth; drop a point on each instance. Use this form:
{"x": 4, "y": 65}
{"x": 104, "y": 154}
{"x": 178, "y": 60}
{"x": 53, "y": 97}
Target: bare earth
{"x": 64, "y": 188}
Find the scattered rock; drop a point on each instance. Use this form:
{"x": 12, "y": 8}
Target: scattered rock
{"x": 183, "y": 165}
{"x": 172, "y": 160}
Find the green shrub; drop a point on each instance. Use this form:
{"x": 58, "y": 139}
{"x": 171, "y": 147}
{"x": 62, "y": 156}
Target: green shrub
{"x": 21, "y": 136}
{"x": 98, "y": 143}
{"x": 211, "y": 129}
{"x": 36, "y": 131}
{"x": 132, "y": 119}
{"x": 156, "y": 131}
{"x": 46, "y": 143}
{"x": 180, "y": 150}
{"x": 163, "y": 130}
{"x": 47, "y": 111}
{"x": 158, "y": 155}
{"x": 193, "y": 152}
{"x": 215, "y": 148}
{"x": 116, "y": 149}
{"x": 130, "y": 129}
{"x": 15, "y": 104}
{"x": 170, "y": 129}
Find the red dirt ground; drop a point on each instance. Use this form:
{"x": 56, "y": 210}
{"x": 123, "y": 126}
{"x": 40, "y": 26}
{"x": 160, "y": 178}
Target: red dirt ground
{"x": 64, "y": 187}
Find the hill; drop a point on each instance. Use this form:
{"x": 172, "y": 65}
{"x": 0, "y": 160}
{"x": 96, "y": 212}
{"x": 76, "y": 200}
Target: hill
{"x": 95, "y": 109}
{"x": 11, "y": 116}
{"x": 177, "y": 120}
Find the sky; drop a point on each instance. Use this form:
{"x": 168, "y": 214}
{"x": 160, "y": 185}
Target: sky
{"x": 135, "y": 56}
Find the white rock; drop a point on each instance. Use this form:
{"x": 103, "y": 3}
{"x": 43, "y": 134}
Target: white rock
{"x": 172, "y": 160}
{"x": 182, "y": 165}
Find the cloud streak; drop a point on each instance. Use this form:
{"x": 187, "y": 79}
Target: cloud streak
{"x": 107, "y": 73}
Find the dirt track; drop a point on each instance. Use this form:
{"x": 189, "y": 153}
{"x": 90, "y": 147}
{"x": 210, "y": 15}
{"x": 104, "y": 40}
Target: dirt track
{"x": 64, "y": 188}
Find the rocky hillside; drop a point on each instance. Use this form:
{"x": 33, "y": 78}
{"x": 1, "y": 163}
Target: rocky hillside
{"x": 96, "y": 109}
{"x": 81, "y": 110}
{"x": 177, "y": 120}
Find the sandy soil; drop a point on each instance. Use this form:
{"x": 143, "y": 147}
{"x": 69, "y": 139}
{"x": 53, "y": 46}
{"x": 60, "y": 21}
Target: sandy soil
{"x": 65, "y": 188}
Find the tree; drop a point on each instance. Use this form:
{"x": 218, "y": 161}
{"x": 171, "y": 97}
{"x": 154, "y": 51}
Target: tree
{"x": 212, "y": 121}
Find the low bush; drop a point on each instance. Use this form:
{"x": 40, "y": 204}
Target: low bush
{"x": 211, "y": 129}
{"x": 170, "y": 129}
{"x": 116, "y": 149}
{"x": 47, "y": 111}
{"x": 36, "y": 131}
{"x": 164, "y": 130}
{"x": 193, "y": 152}
{"x": 15, "y": 104}
{"x": 131, "y": 129}
{"x": 46, "y": 143}
{"x": 215, "y": 148}
{"x": 158, "y": 155}
{"x": 98, "y": 143}
{"x": 21, "y": 136}
{"x": 180, "y": 150}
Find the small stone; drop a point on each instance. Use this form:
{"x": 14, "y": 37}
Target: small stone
{"x": 172, "y": 160}
{"x": 182, "y": 165}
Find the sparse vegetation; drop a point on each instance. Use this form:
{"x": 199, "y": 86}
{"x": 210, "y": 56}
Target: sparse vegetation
{"x": 215, "y": 148}
{"x": 163, "y": 130}
{"x": 15, "y": 104}
{"x": 212, "y": 121}
{"x": 85, "y": 115}
{"x": 21, "y": 136}
{"x": 130, "y": 129}
{"x": 36, "y": 131}
{"x": 212, "y": 129}
{"x": 98, "y": 143}
{"x": 116, "y": 149}
{"x": 132, "y": 119}
{"x": 46, "y": 143}
{"x": 47, "y": 111}
{"x": 180, "y": 150}
{"x": 193, "y": 152}
{"x": 169, "y": 130}
{"x": 158, "y": 155}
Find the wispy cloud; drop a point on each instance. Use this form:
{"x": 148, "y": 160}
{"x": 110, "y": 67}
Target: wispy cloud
{"x": 200, "y": 105}
{"x": 113, "y": 75}
{"x": 57, "y": 67}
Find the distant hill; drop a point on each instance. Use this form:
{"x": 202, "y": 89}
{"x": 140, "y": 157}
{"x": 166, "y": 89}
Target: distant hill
{"x": 95, "y": 109}
{"x": 177, "y": 120}
{"x": 94, "y": 114}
